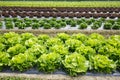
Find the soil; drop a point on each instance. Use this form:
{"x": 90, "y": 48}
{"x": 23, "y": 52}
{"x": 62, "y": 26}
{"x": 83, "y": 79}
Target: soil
{"x": 106, "y": 33}
{"x": 57, "y": 77}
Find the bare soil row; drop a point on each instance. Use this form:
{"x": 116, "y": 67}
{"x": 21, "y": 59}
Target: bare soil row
{"x": 50, "y": 32}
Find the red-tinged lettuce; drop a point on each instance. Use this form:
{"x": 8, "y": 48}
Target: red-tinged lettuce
{"x": 75, "y": 64}
{"x": 22, "y": 62}
{"x": 4, "y": 60}
{"x": 103, "y": 64}
{"x": 49, "y": 62}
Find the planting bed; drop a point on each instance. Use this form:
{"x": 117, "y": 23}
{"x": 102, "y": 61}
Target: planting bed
{"x": 60, "y": 12}
{"x": 62, "y": 53}
{"x": 55, "y": 40}
{"x": 60, "y": 23}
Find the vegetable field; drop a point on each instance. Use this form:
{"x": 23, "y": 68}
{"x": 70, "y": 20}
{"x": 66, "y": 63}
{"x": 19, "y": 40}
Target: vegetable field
{"x": 48, "y": 39}
{"x": 60, "y": 3}
{"x": 75, "y": 54}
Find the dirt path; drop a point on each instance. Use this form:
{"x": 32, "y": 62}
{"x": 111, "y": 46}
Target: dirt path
{"x": 57, "y": 77}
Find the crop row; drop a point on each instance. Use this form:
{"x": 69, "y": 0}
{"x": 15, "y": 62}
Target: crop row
{"x": 61, "y": 3}
{"x": 60, "y": 23}
{"x": 62, "y": 9}
{"x": 74, "y": 54}
{"x": 58, "y": 14}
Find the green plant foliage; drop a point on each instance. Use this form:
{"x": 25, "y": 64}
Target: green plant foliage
{"x": 96, "y": 36}
{"x": 12, "y": 39}
{"x": 2, "y": 47}
{"x": 28, "y": 22}
{"x": 15, "y": 19}
{"x": 72, "y": 44}
{"x": 94, "y": 43}
{"x": 48, "y": 23}
{"x": 73, "y": 23}
{"x": 30, "y": 42}
{"x": 47, "y": 26}
{"x": 21, "y": 25}
{"x": 97, "y": 24}
{"x": 63, "y": 24}
{"x": 26, "y": 36}
{"x": 60, "y": 49}
{"x": 76, "y": 53}
{"x": 37, "y": 50}
{"x": 4, "y": 60}
{"x": 1, "y": 24}
{"x": 35, "y": 20}
{"x": 79, "y": 21}
{"x": 116, "y": 26}
{"x": 43, "y": 37}
{"x": 89, "y": 21}
{"x": 35, "y": 25}
{"x": 8, "y": 19}
{"x": 57, "y": 25}
{"x": 53, "y": 41}
{"x": 83, "y": 25}
{"x": 107, "y": 25}
{"x": 9, "y": 25}
{"x": 102, "y": 64}
{"x": 63, "y": 37}
{"x": 18, "y": 48}
{"x": 41, "y": 22}
{"x": 75, "y": 64}
{"x": 49, "y": 62}
{"x": 110, "y": 21}
{"x": 68, "y": 21}
{"x": 80, "y": 36}
{"x": 22, "y": 62}
{"x": 86, "y": 51}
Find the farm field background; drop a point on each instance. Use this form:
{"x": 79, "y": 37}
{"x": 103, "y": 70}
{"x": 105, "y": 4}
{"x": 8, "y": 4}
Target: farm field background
{"x": 48, "y": 39}
{"x": 61, "y": 3}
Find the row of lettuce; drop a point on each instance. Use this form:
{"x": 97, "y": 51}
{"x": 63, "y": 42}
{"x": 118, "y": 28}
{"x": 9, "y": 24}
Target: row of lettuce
{"x": 75, "y": 54}
{"x": 47, "y": 23}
